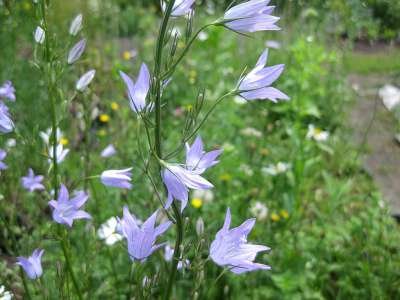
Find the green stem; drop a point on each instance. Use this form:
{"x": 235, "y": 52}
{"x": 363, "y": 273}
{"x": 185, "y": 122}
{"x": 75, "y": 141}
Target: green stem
{"x": 27, "y": 294}
{"x": 68, "y": 264}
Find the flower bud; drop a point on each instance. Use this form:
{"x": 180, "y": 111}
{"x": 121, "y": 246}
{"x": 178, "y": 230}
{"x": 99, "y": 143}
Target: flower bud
{"x": 200, "y": 226}
{"x": 85, "y": 80}
{"x": 39, "y": 35}
{"x": 76, "y": 25}
{"x": 76, "y": 51}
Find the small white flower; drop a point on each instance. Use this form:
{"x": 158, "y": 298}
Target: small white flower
{"x": 108, "y": 231}
{"x": 76, "y": 25}
{"x": 60, "y": 152}
{"x": 39, "y": 35}
{"x": 317, "y": 134}
{"x": 206, "y": 195}
{"x": 203, "y": 36}
{"x": 390, "y": 96}
{"x": 249, "y": 131}
{"x": 85, "y": 80}
{"x": 46, "y": 135}
{"x": 10, "y": 143}
{"x": 259, "y": 210}
{"x": 277, "y": 169}
{"x": 5, "y": 295}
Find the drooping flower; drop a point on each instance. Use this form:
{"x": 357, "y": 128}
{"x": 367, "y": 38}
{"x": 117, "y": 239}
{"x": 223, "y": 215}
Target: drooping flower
{"x": 85, "y": 80}
{"x": 7, "y": 91}
{"x": 31, "y": 182}
{"x": 182, "y": 7}
{"x": 32, "y": 265}
{"x": 117, "y": 178}
{"x": 251, "y": 16}
{"x": 4, "y": 294}
{"x": 317, "y": 134}
{"x": 259, "y": 210}
{"x": 39, "y": 35}
{"x": 137, "y": 92}
{"x": 230, "y": 248}
{"x": 3, "y": 155}
{"x": 76, "y": 51}
{"x": 6, "y": 124}
{"x": 141, "y": 239}
{"x": 66, "y": 210}
{"x": 61, "y": 153}
{"x": 169, "y": 254}
{"x": 256, "y": 84}
{"x": 108, "y": 151}
{"x": 76, "y": 25}
{"x": 108, "y": 231}
{"x": 277, "y": 169}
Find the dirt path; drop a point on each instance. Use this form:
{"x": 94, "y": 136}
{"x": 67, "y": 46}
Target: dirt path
{"x": 373, "y": 124}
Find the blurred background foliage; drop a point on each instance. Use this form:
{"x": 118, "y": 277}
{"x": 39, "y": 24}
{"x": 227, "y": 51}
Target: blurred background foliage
{"x": 331, "y": 234}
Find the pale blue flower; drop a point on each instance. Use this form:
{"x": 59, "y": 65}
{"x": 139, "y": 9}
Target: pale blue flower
{"x": 31, "y": 182}
{"x": 108, "y": 151}
{"x": 32, "y": 265}
{"x": 76, "y": 51}
{"x": 117, "y": 178}
{"x": 6, "y": 124}
{"x": 3, "y": 155}
{"x": 7, "y": 91}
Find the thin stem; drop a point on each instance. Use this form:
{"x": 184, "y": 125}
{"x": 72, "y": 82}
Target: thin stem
{"x": 27, "y": 294}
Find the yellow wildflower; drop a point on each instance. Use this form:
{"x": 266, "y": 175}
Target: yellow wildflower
{"x": 126, "y": 55}
{"x": 64, "y": 141}
{"x": 275, "y": 217}
{"x": 196, "y": 202}
{"x": 114, "y": 105}
{"x": 284, "y": 213}
{"x": 104, "y": 118}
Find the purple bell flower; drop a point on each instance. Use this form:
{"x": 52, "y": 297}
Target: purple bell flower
{"x": 117, "y": 178}
{"x": 7, "y": 91}
{"x": 251, "y": 16}
{"x": 141, "y": 240}
{"x": 76, "y": 51}
{"x": 3, "y": 155}
{"x": 6, "y": 124}
{"x": 230, "y": 247}
{"x": 32, "y": 265}
{"x": 182, "y": 7}
{"x": 66, "y": 210}
{"x": 108, "y": 151}
{"x": 197, "y": 159}
{"x": 256, "y": 84}
{"x": 32, "y": 182}
{"x": 137, "y": 92}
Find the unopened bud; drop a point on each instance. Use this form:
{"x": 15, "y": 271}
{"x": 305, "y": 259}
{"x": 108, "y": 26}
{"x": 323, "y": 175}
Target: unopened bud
{"x": 200, "y": 226}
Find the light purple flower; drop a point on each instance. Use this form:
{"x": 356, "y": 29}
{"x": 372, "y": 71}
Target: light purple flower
{"x": 182, "y": 7}
{"x": 117, "y": 178}
{"x": 141, "y": 240}
{"x": 3, "y": 155}
{"x": 251, "y": 16}
{"x": 66, "y": 210}
{"x": 7, "y": 91}
{"x": 32, "y": 182}
{"x": 256, "y": 84}
{"x": 108, "y": 151}
{"x": 6, "y": 124}
{"x": 76, "y": 51}
{"x": 197, "y": 159}
{"x": 32, "y": 265}
{"x": 230, "y": 247}
{"x": 137, "y": 92}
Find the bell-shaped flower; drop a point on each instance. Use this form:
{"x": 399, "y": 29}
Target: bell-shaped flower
{"x": 31, "y": 182}
{"x": 3, "y": 155}
{"x": 197, "y": 159}
{"x": 66, "y": 210}
{"x": 76, "y": 51}
{"x": 117, "y": 178}
{"x": 256, "y": 84}
{"x": 61, "y": 153}
{"x": 32, "y": 265}
{"x": 137, "y": 91}
{"x": 230, "y": 248}
{"x": 7, "y": 91}
{"x": 108, "y": 151}
{"x": 76, "y": 25}
{"x": 85, "y": 80}
{"x": 141, "y": 239}
{"x": 251, "y": 16}
{"x": 6, "y": 124}
{"x": 182, "y": 7}
{"x": 39, "y": 35}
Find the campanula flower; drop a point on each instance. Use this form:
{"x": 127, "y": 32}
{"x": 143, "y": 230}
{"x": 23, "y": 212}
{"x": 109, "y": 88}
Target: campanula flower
{"x": 108, "y": 151}
{"x": 66, "y": 210}
{"x": 6, "y": 124}
{"x": 76, "y": 25}
{"x": 32, "y": 265}
{"x": 141, "y": 239}
{"x": 117, "y": 178}
{"x": 31, "y": 182}
{"x": 256, "y": 84}
{"x": 137, "y": 91}
{"x": 76, "y": 51}
{"x": 197, "y": 159}
{"x": 182, "y": 7}
{"x": 39, "y": 35}
{"x": 3, "y": 155}
{"x": 251, "y": 16}
{"x": 85, "y": 80}
{"x": 230, "y": 247}
{"x": 109, "y": 231}
{"x": 61, "y": 153}
{"x": 7, "y": 91}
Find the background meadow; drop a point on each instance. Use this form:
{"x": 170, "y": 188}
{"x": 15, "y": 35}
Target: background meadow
{"x": 329, "y": 228}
